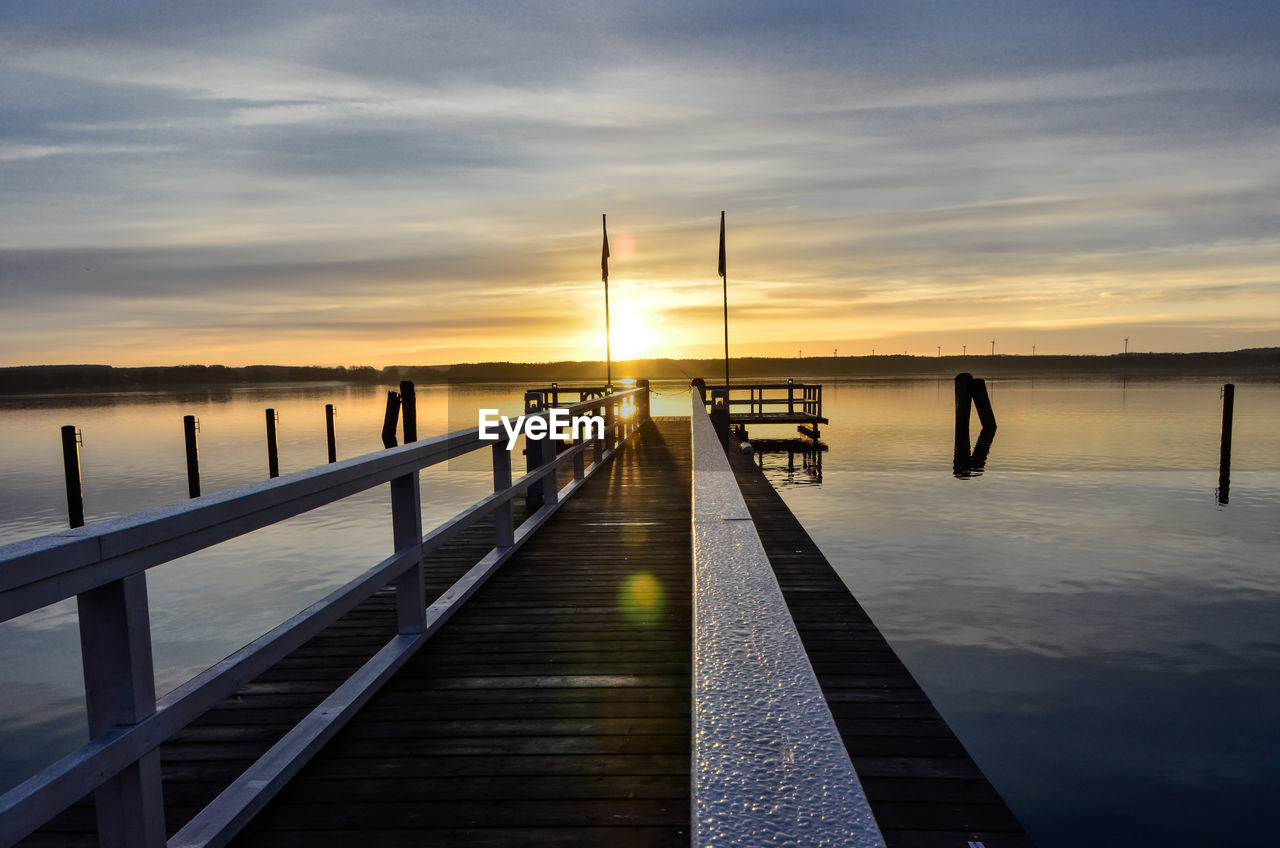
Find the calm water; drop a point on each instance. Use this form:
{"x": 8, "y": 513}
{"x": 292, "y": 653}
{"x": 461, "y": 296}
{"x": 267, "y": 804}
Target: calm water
{"x": 1101, "y": 633}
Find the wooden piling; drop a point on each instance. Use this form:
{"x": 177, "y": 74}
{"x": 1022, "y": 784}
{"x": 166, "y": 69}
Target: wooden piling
{"x": 982, "y": 403}
{"x": 193, "y": 455}
{"x": 409, "y": 411}
{"x": 330, "y": 433}
{"x": 71, "y": 470}
{"x": 1224, "y": 456}
{"x": 389, "y": 420}
{"x": 273, "y": 449}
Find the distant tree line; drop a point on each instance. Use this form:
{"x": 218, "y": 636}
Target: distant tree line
{"x": 1256, "y": 363}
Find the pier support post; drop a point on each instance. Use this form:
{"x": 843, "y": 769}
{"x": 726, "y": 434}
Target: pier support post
{"x": 119, "y": 684}
{"x": 189, "y": 427}
{"x": 273, "y": 450}
{"x": 409, "y": 411}
{"x": 389, "y": 420}
{"x": 1224, "y": 456}
{"x": 331, "y": 435}
{"x": 71, "y": 471}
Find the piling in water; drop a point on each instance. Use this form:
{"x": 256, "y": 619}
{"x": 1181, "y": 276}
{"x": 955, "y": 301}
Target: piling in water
{"x": 982, "y": 403}
{"x": 409, "y": 411}
{"x": 389, "y": 420}
{"x": 71, "y": 470}
{"x": 1224, "y": 455}
{"x": 330, "y": 432}
{"x": 189, "y": 425}
{"x": 273, "y": 449}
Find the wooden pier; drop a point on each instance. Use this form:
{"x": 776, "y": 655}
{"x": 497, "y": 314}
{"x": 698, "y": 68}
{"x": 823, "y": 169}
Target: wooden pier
{"x": 559, "y": 689}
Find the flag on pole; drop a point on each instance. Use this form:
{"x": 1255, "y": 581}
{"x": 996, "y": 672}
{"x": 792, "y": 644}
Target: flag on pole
{"x": 604, "y": 253}
{"x": 722, "y": 244}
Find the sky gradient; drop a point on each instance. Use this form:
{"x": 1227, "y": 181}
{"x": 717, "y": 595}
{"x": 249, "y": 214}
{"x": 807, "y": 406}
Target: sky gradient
{"x": 400, "y": 183}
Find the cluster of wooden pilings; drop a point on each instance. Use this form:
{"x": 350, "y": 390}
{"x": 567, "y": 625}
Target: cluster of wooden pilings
{"x": 971, "y": 393}
{"x": 402, "y": 404}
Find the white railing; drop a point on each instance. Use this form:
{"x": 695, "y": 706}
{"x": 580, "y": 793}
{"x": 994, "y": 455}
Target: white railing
{"x": 104, "y": 567}
{"x": 769, "y": 767}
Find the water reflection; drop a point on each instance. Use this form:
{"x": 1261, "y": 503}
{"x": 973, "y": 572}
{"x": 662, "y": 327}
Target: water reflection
{"x": 804, "y": 455}
{"x": 966, "y": 463}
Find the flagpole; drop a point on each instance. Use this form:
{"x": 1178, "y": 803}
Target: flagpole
{"x": 604, "y": 274}
{"x": 725, "y": 276}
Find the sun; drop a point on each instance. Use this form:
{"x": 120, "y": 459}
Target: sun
{"x": 631, "y": 335}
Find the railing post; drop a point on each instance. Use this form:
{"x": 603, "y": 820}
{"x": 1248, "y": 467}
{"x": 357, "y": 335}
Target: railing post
{"x": 791, "y": 395}
{"x": 597, "y": 444}
{"x": 720, "y": 414}
{"x": 533, "y": 453}
{"x": 406, "y": 532}
{"x": 610, "y": 423}
{"x": 273, "y": 450}
{"x": 71, "y": 471}
{"x": 189, "y": 427}
{"x": 504, "y": 534}
{"x": 119, "y": 685}
{"x": 330, "y": 432}
{"x": 579, "y": 458}
{"x": 642, "y": 405}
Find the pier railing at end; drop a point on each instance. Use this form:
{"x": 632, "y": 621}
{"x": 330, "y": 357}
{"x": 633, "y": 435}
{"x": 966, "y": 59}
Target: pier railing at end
{"x": 104, "y": 565}
{"x": 769, "y": 767}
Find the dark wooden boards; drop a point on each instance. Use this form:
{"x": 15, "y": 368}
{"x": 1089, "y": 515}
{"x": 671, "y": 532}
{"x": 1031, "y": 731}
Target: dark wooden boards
{"x": 924, "y": 788}
{"x": 553, "y": 709}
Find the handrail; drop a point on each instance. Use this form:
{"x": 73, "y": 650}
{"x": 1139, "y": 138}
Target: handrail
{"x": 769, "y": 766}
{"x": 104, "y": 565}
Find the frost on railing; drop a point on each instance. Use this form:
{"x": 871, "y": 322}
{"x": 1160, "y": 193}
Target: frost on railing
{"x": 769, "y": 767}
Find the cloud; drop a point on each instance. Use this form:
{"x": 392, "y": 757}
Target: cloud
{"x": 216, "y": 168}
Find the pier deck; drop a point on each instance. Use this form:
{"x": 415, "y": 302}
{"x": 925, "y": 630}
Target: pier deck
{"x": 554, "y": 707}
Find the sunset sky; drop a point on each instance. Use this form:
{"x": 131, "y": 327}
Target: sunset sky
{"x": 402, "y": 183}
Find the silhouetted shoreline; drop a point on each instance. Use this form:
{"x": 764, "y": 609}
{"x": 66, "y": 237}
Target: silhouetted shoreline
{"x": 1257, "y": 363}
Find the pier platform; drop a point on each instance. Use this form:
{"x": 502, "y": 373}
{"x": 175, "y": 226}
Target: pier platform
{"x": 554, "y": 707}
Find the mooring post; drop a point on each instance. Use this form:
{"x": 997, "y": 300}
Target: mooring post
{"x": 119, "y": 684}
{"x": 700, "y": 386}
{"x": 273, "y": 450}
{"x": 1224, "y": 457}
{"x": 189, "y": 427}
{"x": 964, "y": 400}
{"x": 720, "y": 414}
{"x": 389, "y": 420}
{"x": 71, "y": 471}
{"x": 409, "y": 410}
{"x": 982, "y": 403}
{"x": 330, "y": 433}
